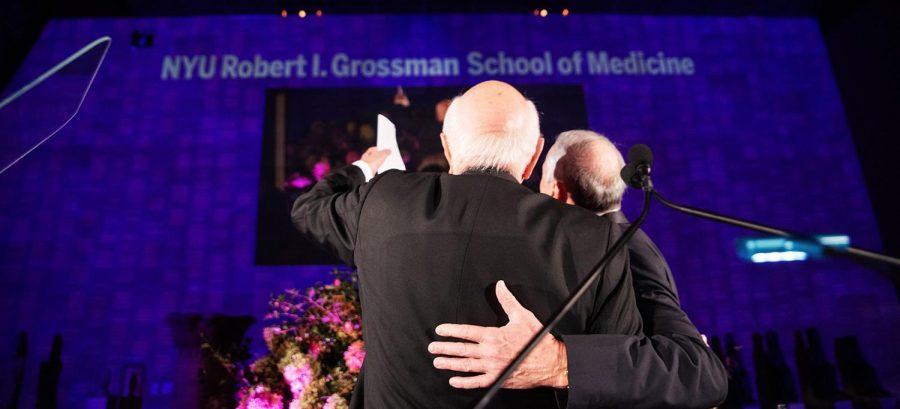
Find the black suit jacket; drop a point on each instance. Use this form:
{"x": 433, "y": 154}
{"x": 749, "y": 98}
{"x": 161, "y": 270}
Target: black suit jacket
{"x": 669, "y": 367}
{"x": 429, "y": 248}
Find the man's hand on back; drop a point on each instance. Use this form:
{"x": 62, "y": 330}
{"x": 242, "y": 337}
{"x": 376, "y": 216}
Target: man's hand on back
{"x": 491, "y": 349}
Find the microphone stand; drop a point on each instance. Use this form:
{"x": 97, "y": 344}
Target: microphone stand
{"x": 638, "y": 175}
{"x": 853, "y": 253}
{"x": 570, "y": 301}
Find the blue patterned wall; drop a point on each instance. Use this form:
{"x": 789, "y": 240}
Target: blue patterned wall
{"x": 146, "y": 203}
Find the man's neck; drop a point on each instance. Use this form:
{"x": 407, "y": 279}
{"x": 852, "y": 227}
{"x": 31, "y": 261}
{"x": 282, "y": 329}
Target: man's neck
{"x": 488, "y": 170}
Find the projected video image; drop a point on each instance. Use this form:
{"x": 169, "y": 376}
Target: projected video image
{"x": 309, "y": 132}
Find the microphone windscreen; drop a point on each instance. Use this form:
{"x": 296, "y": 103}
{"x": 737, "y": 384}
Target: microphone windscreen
{"x": 640, "y": 153}
{"x": 627, "y": 175}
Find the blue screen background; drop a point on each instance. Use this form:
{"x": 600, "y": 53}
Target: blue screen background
{"x": 146, "y": 203}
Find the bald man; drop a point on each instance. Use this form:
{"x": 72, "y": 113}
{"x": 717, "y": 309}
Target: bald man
{"x": 431, "y": 248}
{"x": 669, "y": 367}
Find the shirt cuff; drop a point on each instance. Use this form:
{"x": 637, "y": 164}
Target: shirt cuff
{"x": 366, "y": 170}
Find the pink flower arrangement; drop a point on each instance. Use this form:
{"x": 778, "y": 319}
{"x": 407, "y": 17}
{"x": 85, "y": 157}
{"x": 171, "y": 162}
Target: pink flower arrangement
{"x": 260, "y": 397}
{"x": 315, "y": 347}
{"x": 298, "y": 377}
{"x": 354, "y": 356}
{"x": 335, "y": 402}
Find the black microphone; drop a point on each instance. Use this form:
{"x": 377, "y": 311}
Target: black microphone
{"x": 637, "y": 172}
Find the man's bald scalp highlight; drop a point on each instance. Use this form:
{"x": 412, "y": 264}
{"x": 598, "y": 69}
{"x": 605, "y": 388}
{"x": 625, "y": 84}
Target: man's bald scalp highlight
{"x": 491, "y": 126}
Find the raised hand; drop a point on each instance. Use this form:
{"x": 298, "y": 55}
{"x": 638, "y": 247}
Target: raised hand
{"x": 374, "y": 157}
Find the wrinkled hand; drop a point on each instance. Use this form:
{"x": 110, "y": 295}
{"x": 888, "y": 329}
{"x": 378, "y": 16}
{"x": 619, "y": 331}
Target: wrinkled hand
{"x": 492, "y": 349}
{"x": 374, "y": 157}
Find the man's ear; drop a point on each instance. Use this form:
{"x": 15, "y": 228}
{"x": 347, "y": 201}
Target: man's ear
{"x": 446, "y": 147}
{"x": 538, "y": 148}
{"x": 559, "y": 191}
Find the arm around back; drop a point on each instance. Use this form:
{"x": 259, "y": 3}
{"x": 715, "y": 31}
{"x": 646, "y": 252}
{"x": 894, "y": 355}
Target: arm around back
{"x": 668, "y": 367}
{"x": 661, "y": 371}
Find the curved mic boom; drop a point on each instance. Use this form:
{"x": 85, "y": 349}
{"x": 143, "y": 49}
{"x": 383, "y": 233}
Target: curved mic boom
{"x": 637, "y": 175}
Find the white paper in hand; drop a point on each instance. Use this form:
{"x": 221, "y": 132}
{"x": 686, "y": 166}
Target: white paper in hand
{"x": 387, "y": 139}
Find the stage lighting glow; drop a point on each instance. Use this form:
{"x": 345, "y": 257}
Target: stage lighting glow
{"x": 778, "y": 256}
{"x": 537, "y": 12}
{"x": 565, "y": 12}
{"x": 302, "y": 13}
{"x": 283, "y": 13}
{"x": 775, "y": 249}
{"x": 319, "y": 13}
{"x": 543, "y": 12}
{"x": 837, "y": 240}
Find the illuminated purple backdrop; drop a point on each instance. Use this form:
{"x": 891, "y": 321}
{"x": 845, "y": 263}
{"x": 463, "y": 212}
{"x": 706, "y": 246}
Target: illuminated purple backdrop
{"x": 146, "y": 204}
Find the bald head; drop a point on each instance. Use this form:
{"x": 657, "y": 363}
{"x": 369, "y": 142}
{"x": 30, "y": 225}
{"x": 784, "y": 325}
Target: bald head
{"x": 587, "y": 171}
{"x": 493, "y": 126}
{"x": 491, "y": 108}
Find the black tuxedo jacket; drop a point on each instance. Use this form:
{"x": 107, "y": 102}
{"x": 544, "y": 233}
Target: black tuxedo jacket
{"x": 669, "y": 367}
{"x": 429, "y": 248}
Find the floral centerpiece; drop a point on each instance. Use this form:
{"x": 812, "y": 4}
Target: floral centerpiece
{"x": 314, "y": 338}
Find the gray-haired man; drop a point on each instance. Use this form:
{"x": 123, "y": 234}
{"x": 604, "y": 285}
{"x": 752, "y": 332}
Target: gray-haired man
{"x": 669, "y": 366}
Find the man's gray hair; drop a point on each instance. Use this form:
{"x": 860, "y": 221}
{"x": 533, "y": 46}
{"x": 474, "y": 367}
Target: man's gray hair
{"x": 589, "y": 167}
{"x": 509, "y": 149}
{"x": 558, "y": 150}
